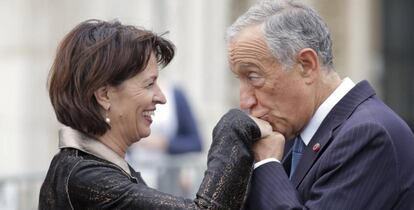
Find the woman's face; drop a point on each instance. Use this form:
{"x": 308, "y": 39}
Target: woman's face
{"x": 133, "y": 104}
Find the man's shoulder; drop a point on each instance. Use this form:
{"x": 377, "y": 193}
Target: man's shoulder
{"x": 374, "y": 123}
{"x": 373, "y": 114}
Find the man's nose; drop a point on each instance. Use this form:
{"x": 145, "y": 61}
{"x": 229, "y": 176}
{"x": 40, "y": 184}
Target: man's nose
{"x": 247, "y": 99}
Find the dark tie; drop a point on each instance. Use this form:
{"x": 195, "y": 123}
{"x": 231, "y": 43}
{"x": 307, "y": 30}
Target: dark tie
{"x": 297, "y": 152}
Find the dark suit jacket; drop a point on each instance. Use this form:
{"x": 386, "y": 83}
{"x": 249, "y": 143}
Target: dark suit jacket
{"x": 366, "y": 161}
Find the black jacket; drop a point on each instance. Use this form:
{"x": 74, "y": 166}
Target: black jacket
{"x": 78, "y": 180}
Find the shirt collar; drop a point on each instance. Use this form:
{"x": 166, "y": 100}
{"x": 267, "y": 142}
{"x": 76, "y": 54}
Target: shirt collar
{"x": 323, "y": 110}
{"x": 70, "y": 138}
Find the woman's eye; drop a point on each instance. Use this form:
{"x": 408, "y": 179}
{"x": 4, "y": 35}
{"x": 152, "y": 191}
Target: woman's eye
{"x": 150, "y": 85}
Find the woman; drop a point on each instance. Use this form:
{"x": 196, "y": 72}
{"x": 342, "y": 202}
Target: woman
{"x": 103, "y": 87}
{"x": 174, "y": 137}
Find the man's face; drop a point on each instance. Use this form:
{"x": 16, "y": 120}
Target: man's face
{"x": 269, "y": 92}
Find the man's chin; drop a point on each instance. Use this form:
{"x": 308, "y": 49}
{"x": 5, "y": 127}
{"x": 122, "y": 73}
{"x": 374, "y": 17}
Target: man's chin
{"x": 285, "y": 134}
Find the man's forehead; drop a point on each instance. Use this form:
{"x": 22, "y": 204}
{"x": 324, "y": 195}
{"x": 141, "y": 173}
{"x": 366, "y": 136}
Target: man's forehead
{"x": 248, "y": 33}
{"x": 244, "y": 48}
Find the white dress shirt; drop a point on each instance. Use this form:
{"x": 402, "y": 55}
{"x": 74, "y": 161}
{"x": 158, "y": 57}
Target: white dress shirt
{"x": 320, "y": 114}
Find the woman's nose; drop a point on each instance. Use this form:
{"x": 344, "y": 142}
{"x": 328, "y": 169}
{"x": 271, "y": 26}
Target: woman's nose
{"x": 159, "y": 97}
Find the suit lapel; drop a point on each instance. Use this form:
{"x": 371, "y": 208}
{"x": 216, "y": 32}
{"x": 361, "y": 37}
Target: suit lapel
{"x": 287, "y": 157}
{"x": 341, "y": 111}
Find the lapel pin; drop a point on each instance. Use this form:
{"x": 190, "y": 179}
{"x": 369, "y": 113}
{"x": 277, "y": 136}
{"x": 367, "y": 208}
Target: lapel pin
{"x": 316, "y": 147}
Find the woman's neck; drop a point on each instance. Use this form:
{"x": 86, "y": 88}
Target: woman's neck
{"x": 117, "y": 144}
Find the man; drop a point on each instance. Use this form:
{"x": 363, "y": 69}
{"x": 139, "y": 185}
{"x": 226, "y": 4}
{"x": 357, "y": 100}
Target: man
{"x": 350, "y": 151}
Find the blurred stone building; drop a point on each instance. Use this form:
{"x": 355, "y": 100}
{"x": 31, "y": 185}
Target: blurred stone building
{"x": 372, "y": 40}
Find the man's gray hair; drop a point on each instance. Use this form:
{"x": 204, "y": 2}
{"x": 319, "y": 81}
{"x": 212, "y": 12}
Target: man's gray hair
{"x": 289, "y": 26}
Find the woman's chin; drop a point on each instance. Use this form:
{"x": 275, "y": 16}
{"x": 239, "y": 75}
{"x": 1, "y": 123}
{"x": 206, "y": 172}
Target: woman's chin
{"x": 146, "y": 134}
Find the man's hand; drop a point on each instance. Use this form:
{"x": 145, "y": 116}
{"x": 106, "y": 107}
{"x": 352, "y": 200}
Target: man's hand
{"x": 265, "y": 127}
{"x": 271, "y": 146}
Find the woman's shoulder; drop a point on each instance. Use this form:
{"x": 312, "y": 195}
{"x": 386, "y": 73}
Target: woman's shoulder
{"x": 90, "y": 165}
{"x": 95, "y": 173}
{"x": 80, "y": 167}
{"x": 93, "y": 181}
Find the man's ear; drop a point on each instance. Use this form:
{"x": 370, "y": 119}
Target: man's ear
{"x": 309, "y": 61}
{"x": 101, "y": 96}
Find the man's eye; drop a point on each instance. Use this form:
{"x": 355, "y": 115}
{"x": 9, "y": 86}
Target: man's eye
{"x": 255, "y": 79}
{"x": 253, "y": 76}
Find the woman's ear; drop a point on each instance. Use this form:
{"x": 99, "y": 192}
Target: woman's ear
{"x": 101, "y": 96}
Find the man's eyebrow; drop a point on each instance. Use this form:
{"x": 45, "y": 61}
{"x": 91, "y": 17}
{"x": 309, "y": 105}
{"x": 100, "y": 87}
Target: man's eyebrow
{"x": 247, "y": 65}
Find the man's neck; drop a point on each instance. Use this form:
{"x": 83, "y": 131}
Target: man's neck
{"x": 329, "y": 81}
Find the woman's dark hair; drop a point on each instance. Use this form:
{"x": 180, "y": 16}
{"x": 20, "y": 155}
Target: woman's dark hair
{"x": 97, "y": 53}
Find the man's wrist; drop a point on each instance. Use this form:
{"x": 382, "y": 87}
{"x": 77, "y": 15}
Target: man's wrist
{"x": 264, "y": 161}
